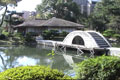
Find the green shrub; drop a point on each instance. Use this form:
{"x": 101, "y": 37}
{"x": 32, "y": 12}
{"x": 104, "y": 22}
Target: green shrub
{"x": 2, "y": 37}
{"x": 100, "y": 68}
{"x": 32, "y": 73}
{"x": 108, "y": 33}
{"x": 32, "y": 33}
{"x": 117, "y": 36}
{"x": 29, "y": 37}
{"x": 5, "y": 33}
{"x": 63, "y": 33}
{"x": 50, "y": 34}
{"x": 18, "y": 36}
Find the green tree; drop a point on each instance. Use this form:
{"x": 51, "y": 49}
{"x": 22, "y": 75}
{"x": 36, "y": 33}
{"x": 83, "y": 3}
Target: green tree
{"x": 106, "y": 15}
{"x": 4, "y": 4}
{"x": 14, "y": 18}
{"x": 67, "y": 10}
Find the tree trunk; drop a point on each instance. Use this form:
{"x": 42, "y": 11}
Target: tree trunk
{"x": 3, "y": 15}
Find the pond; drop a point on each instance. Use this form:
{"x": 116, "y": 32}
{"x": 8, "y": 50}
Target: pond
{"x": 14, "y": 56}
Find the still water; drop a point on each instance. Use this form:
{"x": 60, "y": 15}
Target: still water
{"x": 14, "y": 56}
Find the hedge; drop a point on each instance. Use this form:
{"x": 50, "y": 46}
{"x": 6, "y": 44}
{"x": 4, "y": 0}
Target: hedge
{"x": 32, "y": 73}
{"x": 99, "y": 68}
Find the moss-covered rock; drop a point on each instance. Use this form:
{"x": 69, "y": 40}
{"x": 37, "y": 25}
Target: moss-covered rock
{"x": 100, "y": 68}
{"x": 32, "y": 73}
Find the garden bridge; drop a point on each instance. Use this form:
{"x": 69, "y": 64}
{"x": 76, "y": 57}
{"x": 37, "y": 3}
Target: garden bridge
{"x": 91, "y": 41}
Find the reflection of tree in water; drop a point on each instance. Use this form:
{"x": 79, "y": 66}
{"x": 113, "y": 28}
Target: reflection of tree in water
{"x": 11, "y": 54}
{"x": 8, "y": 61}
{"x": 3, "y": 62}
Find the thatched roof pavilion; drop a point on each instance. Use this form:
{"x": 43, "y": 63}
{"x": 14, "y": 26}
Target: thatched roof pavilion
{"x": 40, "y": 25}
{"x": 53, "y": 22}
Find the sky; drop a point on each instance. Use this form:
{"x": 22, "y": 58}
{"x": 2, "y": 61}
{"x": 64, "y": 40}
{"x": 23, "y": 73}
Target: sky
{"x": 24, "y": 5}
{"x": 27, "y": 5}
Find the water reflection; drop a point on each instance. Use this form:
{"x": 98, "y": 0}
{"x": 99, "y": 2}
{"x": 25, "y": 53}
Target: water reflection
{"x": 24, "y": 61}
{"x": 13, "y": 56}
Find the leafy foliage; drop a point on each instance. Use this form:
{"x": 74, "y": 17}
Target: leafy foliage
{"x": 54, "y": 35}
{"x": 8, "y": 2}
{"x": 2, "y": 37}
{"x": 14, "y": 18}
{"x": 106, "y": 15}
{"x": 5, "y": 33}
{"x": 63, "y": 33}
{"x": 30, "y": 37}
{"x": 18, "y": 37}
{"x": 67, "y": 10}
{"x": 50, "y": 34}
{"x": 5, "y": 3}
{"x": 99, "y": 68}
{"x": 32, "y": 73}
{"x": 52, "y": 54}
{"x": 108, "y": 33}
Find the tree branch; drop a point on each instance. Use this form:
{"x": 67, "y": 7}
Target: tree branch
{"x": 3, "y": 15}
